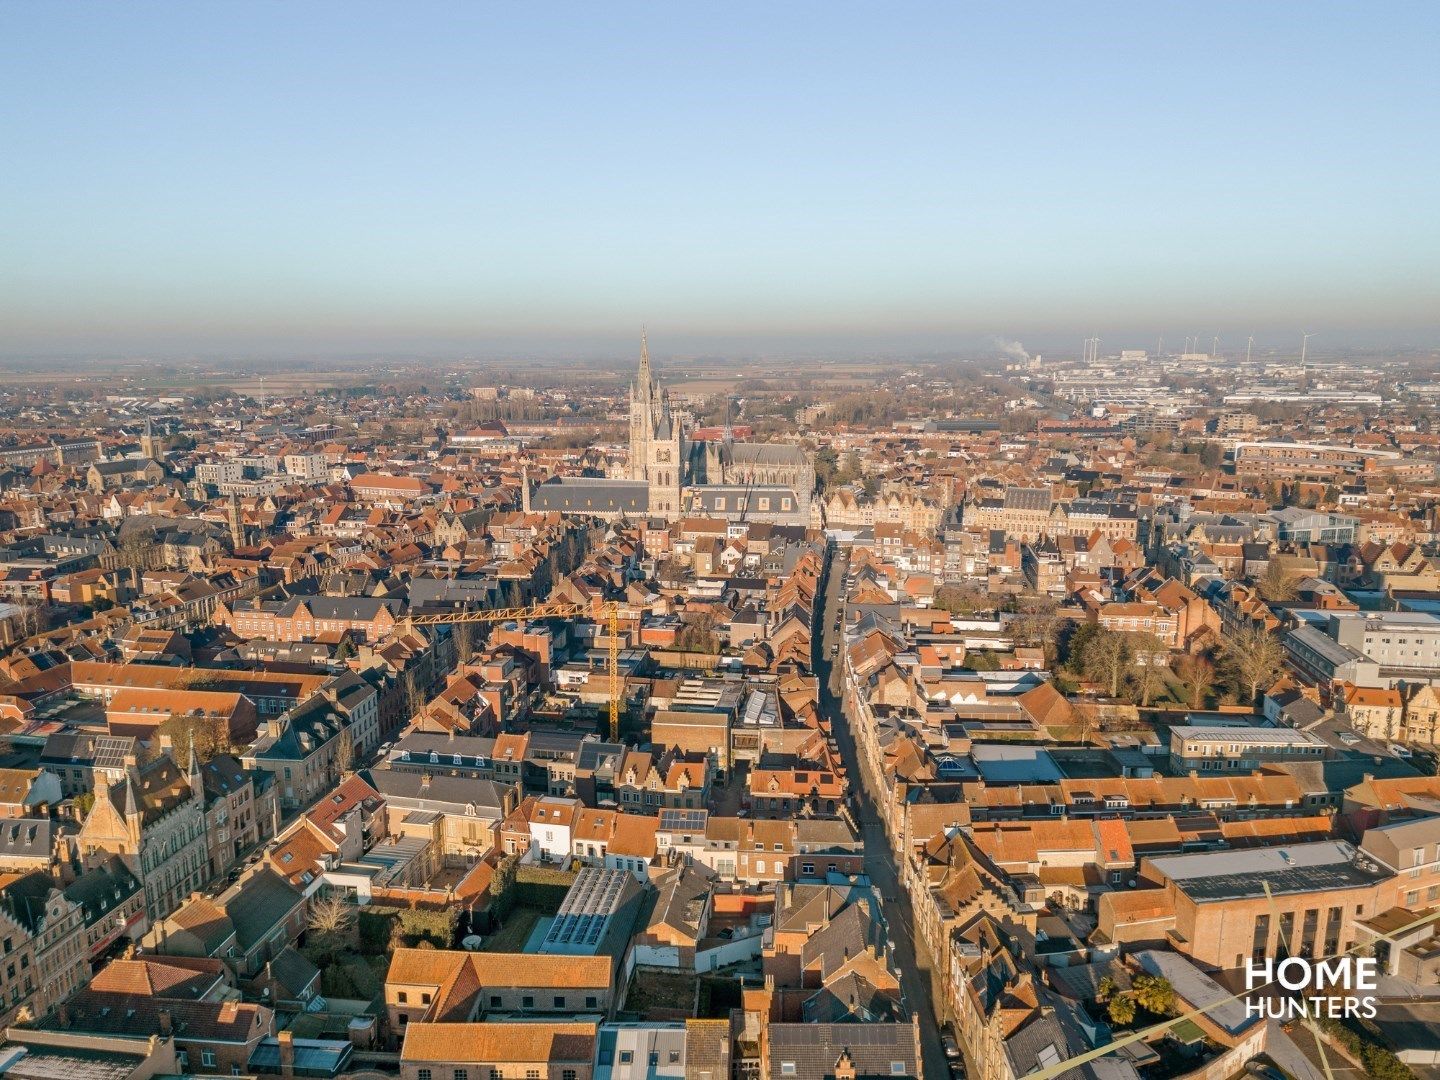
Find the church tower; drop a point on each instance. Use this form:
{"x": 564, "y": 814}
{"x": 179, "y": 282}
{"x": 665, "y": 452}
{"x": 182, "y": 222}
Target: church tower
{"x": 657, "y": 452}
{"x": 149, "y": 444}
{"x": 644, "y": 401}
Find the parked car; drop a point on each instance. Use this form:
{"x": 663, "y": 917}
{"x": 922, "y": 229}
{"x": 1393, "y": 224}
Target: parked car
{"x": 952, "y": 1048}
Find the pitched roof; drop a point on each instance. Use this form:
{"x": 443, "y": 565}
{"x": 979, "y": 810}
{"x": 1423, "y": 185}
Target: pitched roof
{"x": 500, "y": 1042}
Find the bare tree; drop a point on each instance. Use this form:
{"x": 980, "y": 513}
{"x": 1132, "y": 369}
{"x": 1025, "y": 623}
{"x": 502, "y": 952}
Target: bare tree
{"x": 331, "y": 914}
{"x": 332, "y": 925}
{"x": 464, "y": 636}
{"x": 1108, "y": 660}
{"x": 1038, "y": 625}
{"x": 1254, "y": 658}
{"x": 1150, "y": 656}
{"x": 410, "y": 693}
{"x": 136, "y": 550}
{"x": 344, "y": 751}
{"x": 1276, "y": 584}
{"x": 32, "y": 618}
{"x": 962, "y": 599}
{"x": 1198, "y": 675}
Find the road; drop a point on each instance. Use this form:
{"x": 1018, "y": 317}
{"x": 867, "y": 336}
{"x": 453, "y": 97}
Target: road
{"x": 919, "y": 983}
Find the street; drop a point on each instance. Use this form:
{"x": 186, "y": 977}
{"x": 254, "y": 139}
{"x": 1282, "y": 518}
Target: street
{"x": 919, "y": 983}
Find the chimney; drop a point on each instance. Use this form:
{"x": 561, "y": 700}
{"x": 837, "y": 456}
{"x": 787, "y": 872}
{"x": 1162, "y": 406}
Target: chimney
{"x": 287, "y": 1053}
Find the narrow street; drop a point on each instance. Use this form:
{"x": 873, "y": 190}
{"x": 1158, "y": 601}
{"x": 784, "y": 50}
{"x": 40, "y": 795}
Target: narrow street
{"x": 918, "y": 981}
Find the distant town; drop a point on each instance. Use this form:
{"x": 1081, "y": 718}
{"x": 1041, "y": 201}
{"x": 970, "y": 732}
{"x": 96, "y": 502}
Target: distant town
{"x": 997, "y": 717}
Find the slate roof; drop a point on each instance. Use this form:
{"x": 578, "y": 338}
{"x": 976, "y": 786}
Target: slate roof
{"x": 258, "y": 904}
{"x": 813, "y": 1049}
{"x": 583, "y": 494}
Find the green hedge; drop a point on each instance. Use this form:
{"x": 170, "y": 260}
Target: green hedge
{"x": 1379, "y": 1061}
{"x": 383, "y": 928}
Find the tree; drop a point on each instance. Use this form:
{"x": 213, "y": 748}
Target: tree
{"x": 1038, "y": 625}
{"x": 1150, "y": 655}
{"x": 1107, "y": 659}
{"x": 826, "y": 466}
{"x": 464, "y": 636}
{"x": 344, "y": 751}
{"x": 1198, "y": 675}
{"x": 32, "y": 618}
{"x": 136, "y": 550}
{"x": 84, "y": 803}
{"x": 412, "y": 700}
{"x": 962, "y": 599}
{"x": 1254, "y": 657}
{"x": 1104, "y": 989}
{"x": 1153, "y": 994}
{"x": 1122, "y": 1009}
{"x": 186, "y": 731}
{"x": 699, "y": 635}
{"x": 1275, "y": 584}
{"x": 332, "y": 925}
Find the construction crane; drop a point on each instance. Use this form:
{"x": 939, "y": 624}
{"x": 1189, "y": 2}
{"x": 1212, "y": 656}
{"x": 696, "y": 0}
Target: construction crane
{"x": 609, "y": 611}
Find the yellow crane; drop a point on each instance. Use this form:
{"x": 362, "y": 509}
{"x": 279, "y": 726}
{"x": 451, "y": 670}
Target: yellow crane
{"x": 609, "y": 611}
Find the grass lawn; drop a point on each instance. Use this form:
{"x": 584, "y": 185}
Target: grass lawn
{"x": 517, "y": 929}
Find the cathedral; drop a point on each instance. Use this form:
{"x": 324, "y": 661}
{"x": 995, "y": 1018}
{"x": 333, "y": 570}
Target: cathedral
{"x": 670, "y": 475}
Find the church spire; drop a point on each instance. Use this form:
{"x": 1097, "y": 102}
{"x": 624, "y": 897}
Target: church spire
{"x": 644, "y": 380}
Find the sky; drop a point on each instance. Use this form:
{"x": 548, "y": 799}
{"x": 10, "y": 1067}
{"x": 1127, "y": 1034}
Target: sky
{"x": 268, "y": 178}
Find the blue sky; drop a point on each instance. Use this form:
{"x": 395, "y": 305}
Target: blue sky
{"x": 311, "y": 177}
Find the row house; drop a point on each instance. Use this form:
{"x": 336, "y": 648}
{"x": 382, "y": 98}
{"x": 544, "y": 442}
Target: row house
{"x": 303, "y": 618}
{"x": 44, "y": 959}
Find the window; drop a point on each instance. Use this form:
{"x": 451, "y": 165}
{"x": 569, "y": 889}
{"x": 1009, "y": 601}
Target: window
{"x": 424, "y": 999}
{"x": 568, "y": 1074}
{"x": 559, "y": 1001}
{"x": 207, "y": 1058}
{"x": 495, "y": 1001}
{"x": 403, "y": 997}
{"x": 626, "y": 1057}
{"x": 527, "y": 1002}
{"x": 592, "y": 1002}
{"x": 462, "y": 1074}
{"x": 787, "y": 1068}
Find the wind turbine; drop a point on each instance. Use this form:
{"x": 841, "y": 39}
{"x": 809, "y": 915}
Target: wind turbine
{"x": 1304, "y": 345}
{"x": 1215, "y": 346}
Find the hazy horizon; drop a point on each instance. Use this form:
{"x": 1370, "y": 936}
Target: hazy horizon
{"x": 329, "y": 180}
